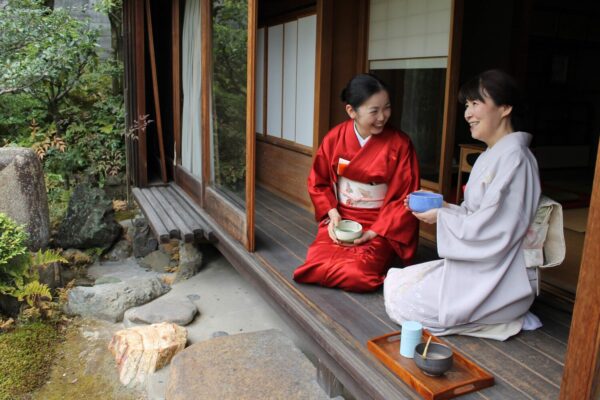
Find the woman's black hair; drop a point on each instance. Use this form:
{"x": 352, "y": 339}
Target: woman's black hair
{"x": 501, "y": 88}
{"x": 360, "y": 88}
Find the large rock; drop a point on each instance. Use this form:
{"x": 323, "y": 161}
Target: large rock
{"x": 109, "y": 301}
{"x": 89, "y": 221}
{"x": 180, "y": 311}
{"x": 120, "y": 251}
{"x": 190, "y": 261}
{"x": 259, "y": 365}
{"x": 23, "y": 193}
{"x": 156, "y": 261}
{"x": 143, "y": 241}
{"x": 141, "y": 350}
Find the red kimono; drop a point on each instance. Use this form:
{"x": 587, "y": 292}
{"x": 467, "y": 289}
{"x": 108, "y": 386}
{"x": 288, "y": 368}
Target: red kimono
{"x": 388, "y": 158}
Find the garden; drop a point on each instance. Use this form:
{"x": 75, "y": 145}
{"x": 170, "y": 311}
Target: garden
{"x": 61, "y": 97}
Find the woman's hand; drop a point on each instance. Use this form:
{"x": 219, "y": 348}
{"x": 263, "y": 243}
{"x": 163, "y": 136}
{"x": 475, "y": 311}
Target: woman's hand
{"x": 429, "y": 216}
{"x": 366, "y": 236}
{"x": 334, "y": 220}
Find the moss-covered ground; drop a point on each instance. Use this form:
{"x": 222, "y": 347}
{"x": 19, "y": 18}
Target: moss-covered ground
{"x": 26, "y": 357}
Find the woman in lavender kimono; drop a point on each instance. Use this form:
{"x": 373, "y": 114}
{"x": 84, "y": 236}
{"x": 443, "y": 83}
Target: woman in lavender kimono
{"x": 481, "y": 286}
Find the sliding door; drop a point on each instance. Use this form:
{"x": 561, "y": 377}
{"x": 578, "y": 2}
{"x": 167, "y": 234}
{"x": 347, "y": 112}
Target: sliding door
{"x": 411, "y": 44}
{"x": 229, "y": 120}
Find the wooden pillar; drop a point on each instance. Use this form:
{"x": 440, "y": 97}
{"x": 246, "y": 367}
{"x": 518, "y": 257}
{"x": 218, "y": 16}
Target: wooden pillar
{"x": 582, "y": 366}
{"x": 140, "y": 89}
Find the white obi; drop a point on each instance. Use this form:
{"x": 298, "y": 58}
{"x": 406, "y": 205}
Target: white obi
{"x": 362, "y": 195}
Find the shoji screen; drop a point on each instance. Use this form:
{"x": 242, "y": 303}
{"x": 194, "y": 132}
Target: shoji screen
{"x": 289, "y": 80}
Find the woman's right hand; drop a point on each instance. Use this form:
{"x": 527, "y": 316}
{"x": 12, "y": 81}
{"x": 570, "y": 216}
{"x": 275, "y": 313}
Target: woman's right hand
{"x": 334, "y": 220}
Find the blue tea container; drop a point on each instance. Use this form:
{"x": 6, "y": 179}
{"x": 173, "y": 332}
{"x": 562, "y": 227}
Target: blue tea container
{"x": 410, "y": 337}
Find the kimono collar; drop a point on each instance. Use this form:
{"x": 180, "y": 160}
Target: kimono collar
{"x": 514, "y": 139}
{"x": 362, "y": 141}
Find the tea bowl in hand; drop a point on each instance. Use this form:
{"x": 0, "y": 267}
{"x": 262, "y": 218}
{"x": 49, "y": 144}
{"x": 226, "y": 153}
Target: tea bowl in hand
{"x": 436, "y": 362}
{"x": 348, "y": 230}
{"x": 423, "y": 201}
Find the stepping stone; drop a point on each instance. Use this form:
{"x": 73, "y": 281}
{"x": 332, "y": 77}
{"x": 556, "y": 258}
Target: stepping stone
{"x": 142, "y": 350}
{"x": 258, "y": 365}
{"x": 180, "y": 311}
{"x": 110, "y": 300}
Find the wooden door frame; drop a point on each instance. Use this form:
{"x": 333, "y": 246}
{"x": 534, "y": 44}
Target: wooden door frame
{"x": 582, "y": 364}
{"x": 450, "y": 95}
{"x": 140, "y": 89}
{"x": 240, "y": 224}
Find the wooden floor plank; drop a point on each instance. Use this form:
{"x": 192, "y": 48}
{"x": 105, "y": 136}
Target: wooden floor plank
{"x": 158, "y": 227}
{"x": 183, "y": 209}
{"x": 184, "y": 232}
{"x": 286, "y": 209}
{"x": 162, "y": 213}
{"x": 208, "y": 232}
{"x": 521, "y": 378}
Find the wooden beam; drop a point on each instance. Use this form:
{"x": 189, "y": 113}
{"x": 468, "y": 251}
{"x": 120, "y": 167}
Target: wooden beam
{"x": 140, "y": 90}
{"x": 251, "y": 121}
{"x": 161, "y": 146}
{"x": 176, "y": 76}
{"x": 323, "y": 71}
{"x": 450, "y": 99}
{"x": 582, "y": 365}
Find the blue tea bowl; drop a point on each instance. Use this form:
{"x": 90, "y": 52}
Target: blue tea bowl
{"x": 423, "y": 201}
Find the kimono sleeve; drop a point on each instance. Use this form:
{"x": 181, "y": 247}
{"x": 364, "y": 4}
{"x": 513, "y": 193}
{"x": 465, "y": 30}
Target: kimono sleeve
{"x": 321, "y": 182}
{"x": 395, "y": 222}
{"x": 501, "y": 220}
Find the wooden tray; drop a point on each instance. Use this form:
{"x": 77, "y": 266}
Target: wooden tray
{"x": 464, "y": 376}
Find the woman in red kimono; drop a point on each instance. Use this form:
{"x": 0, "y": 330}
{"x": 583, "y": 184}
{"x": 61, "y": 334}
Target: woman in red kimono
{"x": 362, "y": 171}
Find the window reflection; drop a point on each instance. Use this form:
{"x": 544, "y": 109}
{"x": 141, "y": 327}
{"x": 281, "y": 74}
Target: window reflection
{"x": 418, "y": 109}
{"x": 229, "y": 50}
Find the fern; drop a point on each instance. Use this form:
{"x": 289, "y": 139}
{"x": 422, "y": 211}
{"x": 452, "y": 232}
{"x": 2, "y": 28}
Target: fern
{"x": 44, "y": 258}
{"x": 34, "y": 293}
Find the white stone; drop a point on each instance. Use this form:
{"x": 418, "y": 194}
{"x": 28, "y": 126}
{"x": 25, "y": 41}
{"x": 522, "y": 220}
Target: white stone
{"x": 141, "y": 350}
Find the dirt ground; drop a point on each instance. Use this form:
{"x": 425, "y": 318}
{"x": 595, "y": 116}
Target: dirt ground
{"x": 84, "y": 368}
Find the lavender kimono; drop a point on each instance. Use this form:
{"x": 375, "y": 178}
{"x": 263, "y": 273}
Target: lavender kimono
{"x": 482, "y": 278}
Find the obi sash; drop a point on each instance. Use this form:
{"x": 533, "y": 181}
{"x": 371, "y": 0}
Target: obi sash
{"x": 362, "y": 195}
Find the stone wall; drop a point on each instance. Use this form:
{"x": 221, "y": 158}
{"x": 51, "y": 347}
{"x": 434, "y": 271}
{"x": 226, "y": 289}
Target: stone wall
{"x": 85, "y": 9}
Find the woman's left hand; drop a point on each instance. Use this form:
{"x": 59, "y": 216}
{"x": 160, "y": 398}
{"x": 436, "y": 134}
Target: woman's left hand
{"x": 429, "y": 216}
{"x": 366, "y": 236}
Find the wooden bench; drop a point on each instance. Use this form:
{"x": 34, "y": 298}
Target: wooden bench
{"x": 171, "y": 214}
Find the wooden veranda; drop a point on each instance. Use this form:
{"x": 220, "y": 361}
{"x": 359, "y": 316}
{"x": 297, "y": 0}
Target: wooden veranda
{"x": 337, "y": 324}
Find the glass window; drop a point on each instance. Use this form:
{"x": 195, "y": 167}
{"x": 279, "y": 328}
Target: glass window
{"x": 418, "y": 110}
{"x": 229, "y": 58}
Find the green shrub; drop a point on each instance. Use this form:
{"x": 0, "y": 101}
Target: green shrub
{"x": 13, "y": 255}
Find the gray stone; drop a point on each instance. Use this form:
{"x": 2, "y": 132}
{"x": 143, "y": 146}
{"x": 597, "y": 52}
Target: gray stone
{"x": 128, "y": 228}
{"x": 219, "y": 334}
{"x": 23, "y": 195}
{"x": 89, "y": 222}
{"x": 107, "y": 279}
{"x": 120, "y": 251}
{"x": 190, "y": 261}
{"x": 259, "y": 365}
{"x": 143, "y": 241}
{"x": 156, "y": 261}
{"x": 178, "y": 311}
{"x": 109, "y": 301}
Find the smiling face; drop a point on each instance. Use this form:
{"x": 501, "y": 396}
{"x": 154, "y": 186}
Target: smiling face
{"x": 372, "y": 115}
{"x": 487, "y": 121}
